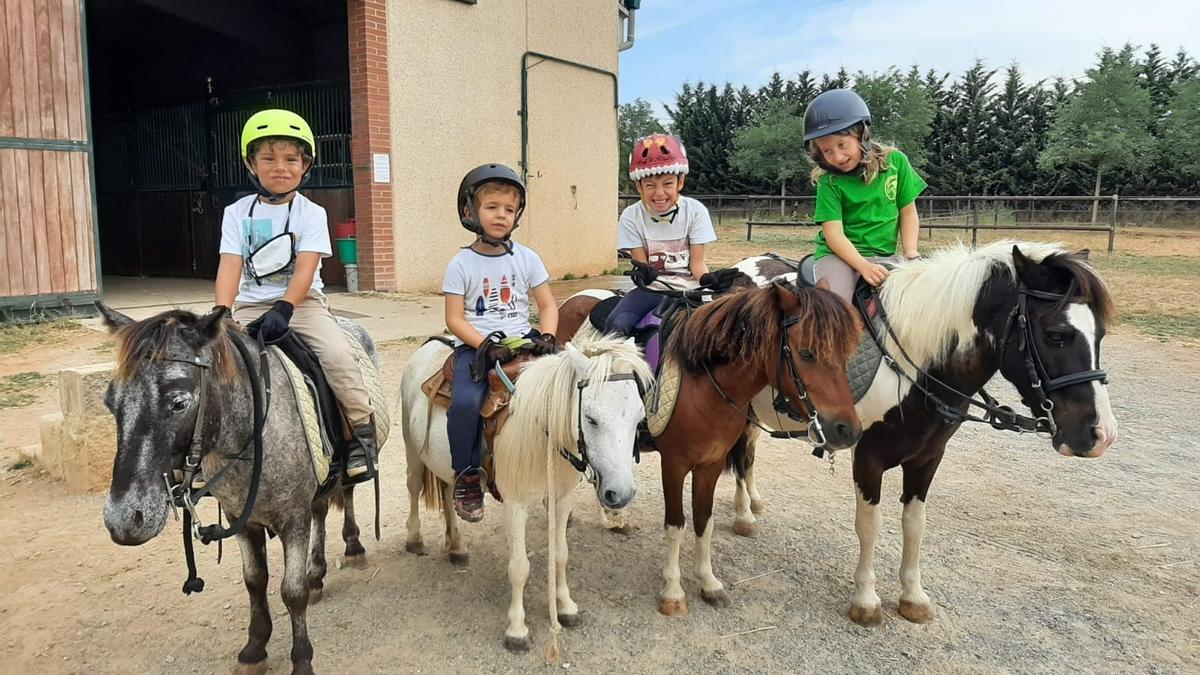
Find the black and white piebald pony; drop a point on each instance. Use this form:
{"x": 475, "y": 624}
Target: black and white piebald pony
{"x": 1033, "y": 312}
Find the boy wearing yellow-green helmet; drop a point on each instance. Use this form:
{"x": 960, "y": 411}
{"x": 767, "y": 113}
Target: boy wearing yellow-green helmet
{"x": 272, "y": 244}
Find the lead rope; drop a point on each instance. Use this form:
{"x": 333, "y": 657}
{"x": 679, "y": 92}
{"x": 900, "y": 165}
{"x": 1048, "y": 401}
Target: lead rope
{"x": 553, "y": 650}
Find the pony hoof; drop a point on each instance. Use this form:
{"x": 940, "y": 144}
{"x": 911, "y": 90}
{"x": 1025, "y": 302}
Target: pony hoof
{"x": 416, "y": 547}
{"x": 745, "y": 528}
{"x": 570, "y": 620}
{"x": 251, "y": 668}
{"x": 460, "y": 559}
{"x": 302, "y": 669}
{"x": 718, "y": 598}
{"x": 673, "y": 607}
{"x": 358, "y": 562}
{"x": 315, "y": 595}
{"x": 354, "y": 548}
{"x": 866, "y": 616}
{"x": 916, "y": 613}
{"x": 516, "y": 645}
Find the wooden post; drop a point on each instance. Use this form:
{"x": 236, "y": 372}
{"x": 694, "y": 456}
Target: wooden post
{"x": 1112, "y": 225}
{"x": 975, "y": 224}
{"x": 719, "y": 209}
{"x": 749, "y": 216}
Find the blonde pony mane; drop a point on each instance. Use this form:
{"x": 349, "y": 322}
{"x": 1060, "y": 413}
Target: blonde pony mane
{"x": 543, "y": 408}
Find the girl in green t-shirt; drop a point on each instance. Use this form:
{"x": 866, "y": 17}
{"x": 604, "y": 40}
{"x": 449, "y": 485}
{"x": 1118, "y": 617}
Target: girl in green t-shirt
{"x": 865, "y": 194}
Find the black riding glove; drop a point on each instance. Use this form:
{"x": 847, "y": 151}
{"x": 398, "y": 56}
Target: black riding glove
{"x": 642, "y": 273}
{"x": 720, "y": 280}
{"x": 274, "y": 324}
{"x": 498, "y": 353}
{"x": 544, "y": 345}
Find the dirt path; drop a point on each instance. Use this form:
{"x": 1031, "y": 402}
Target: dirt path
{"x": 1036, "y": 563}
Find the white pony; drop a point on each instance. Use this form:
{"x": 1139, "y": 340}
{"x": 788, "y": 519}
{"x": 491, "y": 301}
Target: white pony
{"x": 582, "y": 407}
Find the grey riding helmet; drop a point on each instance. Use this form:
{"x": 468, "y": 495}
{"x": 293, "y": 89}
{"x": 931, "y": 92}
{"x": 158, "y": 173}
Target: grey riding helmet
{"x": 833, "y": 111}
{"x": 486, "y": 173}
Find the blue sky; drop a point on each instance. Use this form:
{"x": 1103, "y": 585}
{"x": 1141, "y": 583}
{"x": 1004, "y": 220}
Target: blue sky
{"x": 744, "y": 41}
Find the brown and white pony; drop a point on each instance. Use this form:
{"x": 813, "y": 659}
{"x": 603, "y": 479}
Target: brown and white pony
{"x": 796, "y": 341}
{"x": 958, "y": 315}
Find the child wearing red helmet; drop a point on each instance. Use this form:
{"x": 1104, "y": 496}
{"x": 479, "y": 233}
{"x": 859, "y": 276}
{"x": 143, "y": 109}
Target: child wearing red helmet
{"x": 664, "y": 230}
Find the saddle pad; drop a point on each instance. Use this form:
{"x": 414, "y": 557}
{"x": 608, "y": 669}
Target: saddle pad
{"x": 306, "y": 407}
{"x": 864, "y": 363}
{"x": 374, "y": 385}
{"x": 660, "y": 401}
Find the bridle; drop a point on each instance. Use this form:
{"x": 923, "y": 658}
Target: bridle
{"x": 1039, "y": 379}
{"x": 581, "y": 462}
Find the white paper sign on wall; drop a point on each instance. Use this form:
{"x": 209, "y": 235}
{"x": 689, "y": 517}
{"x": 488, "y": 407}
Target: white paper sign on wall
{"x": 381, "y": 167}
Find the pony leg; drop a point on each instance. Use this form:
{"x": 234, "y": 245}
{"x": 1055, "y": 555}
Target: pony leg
{"x": 516, "y": 636}
{"x": 454, "y": 541}
{"x": 672, "y": 601}
{"x": 294, "y": 591}
{"x": 704, "y": 484}
{"x": 865, "y": 606}
{"x": 356, "y": 555}
{"x": 756, "y": 501}
{"x": 744, "y": 522}
{"x": 915, "y": 604}
{"x": 568, "y": 611}
{"x": 416, "y": 484}
{"x": 252, "y": 541}
{"x": 316, "y": 555}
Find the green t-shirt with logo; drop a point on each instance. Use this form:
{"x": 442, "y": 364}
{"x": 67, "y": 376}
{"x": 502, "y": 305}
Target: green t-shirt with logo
{"x": 870, "y": 213}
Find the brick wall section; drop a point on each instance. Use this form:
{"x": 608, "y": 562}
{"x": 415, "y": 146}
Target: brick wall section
{"x": 370, "y": 122}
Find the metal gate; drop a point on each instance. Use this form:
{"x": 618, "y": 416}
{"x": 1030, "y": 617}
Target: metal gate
{"x": 166, "y": 173}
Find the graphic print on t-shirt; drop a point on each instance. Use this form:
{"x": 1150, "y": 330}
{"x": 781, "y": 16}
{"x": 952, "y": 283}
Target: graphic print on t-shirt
{"x": 496, "y": 299}
{"x": 668, "y": 255}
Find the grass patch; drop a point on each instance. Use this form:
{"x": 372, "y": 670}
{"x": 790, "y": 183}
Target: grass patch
{"x": 15, "y": 337}
{"x": 1152, "y": 265}
{"x": 23, "y": 463}
{"x": 17, "y": 391}
{"x": 106, "y": 347}
{"x": 1165, "y": 326}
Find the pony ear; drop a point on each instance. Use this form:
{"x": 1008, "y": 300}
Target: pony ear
{"x": 112, "y": 318}
{"x": 1020, "y": 263}
{"x": 211, "y": 325}
{"x": 1082, "y": 254}
{"x": 577, "y": 358}
{"x": 823, "y": 282}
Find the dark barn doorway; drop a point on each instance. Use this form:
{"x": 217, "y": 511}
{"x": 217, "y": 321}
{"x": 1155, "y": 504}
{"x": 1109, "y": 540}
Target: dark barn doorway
{"x": 172, "y": 83}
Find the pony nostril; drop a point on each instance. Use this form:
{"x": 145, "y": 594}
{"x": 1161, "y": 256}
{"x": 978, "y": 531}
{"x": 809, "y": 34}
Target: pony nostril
{"x": 610, "y": 497}
{"x": 138, "y": 519}
{"x": 843, "y": 430}
{"x": 1097, "y": 432}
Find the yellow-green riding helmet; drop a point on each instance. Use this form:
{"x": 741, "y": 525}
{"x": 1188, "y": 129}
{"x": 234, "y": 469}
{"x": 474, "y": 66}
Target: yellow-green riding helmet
{"x": 277, "y": 123}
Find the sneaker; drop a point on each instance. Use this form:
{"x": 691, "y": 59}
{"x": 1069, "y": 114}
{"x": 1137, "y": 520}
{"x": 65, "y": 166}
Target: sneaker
{"x": 468, "y": 497}
{"x": 358, "y": 466}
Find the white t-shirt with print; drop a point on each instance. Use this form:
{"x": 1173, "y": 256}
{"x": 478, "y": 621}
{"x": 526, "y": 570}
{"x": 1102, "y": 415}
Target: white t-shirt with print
{"x": 241, "y": 236}
{"x": 495, "y": 288}
{"x": 666, "y": 243}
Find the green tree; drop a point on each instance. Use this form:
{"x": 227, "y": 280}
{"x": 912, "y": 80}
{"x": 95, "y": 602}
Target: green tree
{"x": 706, "y": 119}
{"x": 634, "y": 120}
{"x": 1105, "y": 125}
{"x": 901, "y": 110}
{"x": 772, "y": 150}
{"x": 1179, "y": 131}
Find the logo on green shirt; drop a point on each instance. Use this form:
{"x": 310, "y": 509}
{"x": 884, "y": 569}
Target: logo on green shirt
{"x": 889, "y": 187}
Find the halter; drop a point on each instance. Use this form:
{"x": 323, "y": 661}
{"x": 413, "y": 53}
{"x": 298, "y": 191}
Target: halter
{"x": 1001, "y": 417}
{"x": 181, "y": 493}
{"x": 582, "y": 463}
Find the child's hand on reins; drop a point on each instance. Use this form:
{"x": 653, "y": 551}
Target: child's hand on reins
{"x": 874, "y": 274}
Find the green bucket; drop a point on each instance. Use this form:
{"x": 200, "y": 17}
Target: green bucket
{"x": 348, "y": 251}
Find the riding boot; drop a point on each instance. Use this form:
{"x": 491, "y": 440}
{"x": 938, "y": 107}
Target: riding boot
{"x": 361, "y": 454}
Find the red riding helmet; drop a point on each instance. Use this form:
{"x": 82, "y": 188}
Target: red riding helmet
{"x": 657, "y": 154}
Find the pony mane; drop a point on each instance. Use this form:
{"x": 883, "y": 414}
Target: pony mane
{"x": 149, "y": 340}
{"x": 931, "y": 302}
{"x": 743, "y": 327}
{"x": 543, "y": 407}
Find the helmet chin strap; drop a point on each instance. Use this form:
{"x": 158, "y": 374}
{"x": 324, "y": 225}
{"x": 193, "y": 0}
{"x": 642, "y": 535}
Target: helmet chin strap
{"x": 504, "y": 242}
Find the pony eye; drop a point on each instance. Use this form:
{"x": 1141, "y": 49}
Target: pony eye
{"x": 806, "y": 354}
{"x": 592, "y": 421}
{"x": 178, "y": 403}
{"x": 1056, "y": 338}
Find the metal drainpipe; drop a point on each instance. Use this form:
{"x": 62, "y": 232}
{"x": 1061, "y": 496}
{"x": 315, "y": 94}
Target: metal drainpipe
{"x": 629, "y": 24}
{"x": 524, "y": 112}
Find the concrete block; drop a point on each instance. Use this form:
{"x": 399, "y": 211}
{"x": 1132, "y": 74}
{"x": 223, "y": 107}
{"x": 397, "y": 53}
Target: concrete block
{"x": 50, "y": 455}
{"x": 81, "y": 390}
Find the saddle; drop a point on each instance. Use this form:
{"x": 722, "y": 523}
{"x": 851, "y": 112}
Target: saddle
{"x": 864, "y": 364}
{"x": 652, "y": 331}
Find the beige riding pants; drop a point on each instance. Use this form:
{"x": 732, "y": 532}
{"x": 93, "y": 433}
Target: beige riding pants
{"x": 313, "y": 321}
{"x": 841, "y": 276}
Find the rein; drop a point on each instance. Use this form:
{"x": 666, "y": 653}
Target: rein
{"x": 182, "y": 494}
{"x": 1001, "y": 417}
